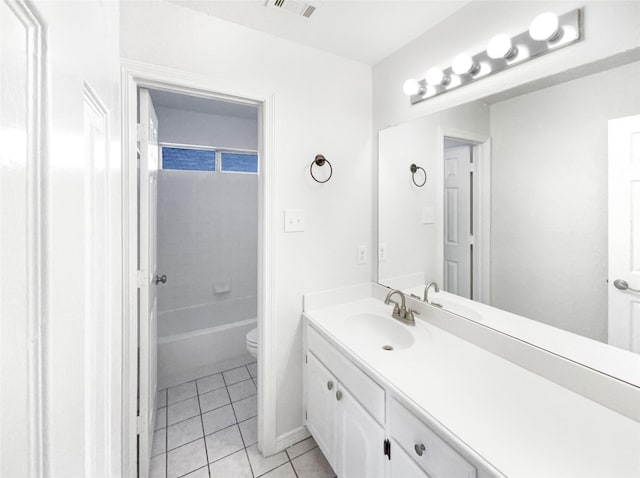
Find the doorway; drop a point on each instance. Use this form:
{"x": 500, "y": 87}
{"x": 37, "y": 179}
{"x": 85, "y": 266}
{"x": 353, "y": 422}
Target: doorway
{"x": 151, "y": 341}
{"x": 465, "y": 212}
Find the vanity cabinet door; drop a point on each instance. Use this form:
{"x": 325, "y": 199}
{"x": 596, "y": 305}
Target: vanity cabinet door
{"x": 402, "y": 466}
{"x": 360, "y": 440}
{"x": 320, "y": 388}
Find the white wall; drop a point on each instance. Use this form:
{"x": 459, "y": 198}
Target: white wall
{"x": 549, "y": 199}
{"x": 609, "y": 28}
{"x": 411, "y": 245}
{"x": 322, "y": 105}
{"x": 207, "y": 236}
{"x": 204, "y": 129}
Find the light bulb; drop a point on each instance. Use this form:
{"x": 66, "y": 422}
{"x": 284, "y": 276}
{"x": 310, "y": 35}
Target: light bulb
{"x": 435, "y": 77}
{"x": 545, "y": 27}
{"x": 500, "y": 47}
{"x": 411, "y": 87}
{"x": 463, "y": 64}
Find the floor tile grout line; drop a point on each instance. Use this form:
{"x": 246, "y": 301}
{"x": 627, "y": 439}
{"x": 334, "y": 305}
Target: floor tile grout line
{"x": 207, "y": 376}
{"x": 204, "y": 440}
{"x": 226, "y": 456}
{"x": 212, "y": 433}
{"x": 166, "y": 434}
{"x": 246, "y": 453}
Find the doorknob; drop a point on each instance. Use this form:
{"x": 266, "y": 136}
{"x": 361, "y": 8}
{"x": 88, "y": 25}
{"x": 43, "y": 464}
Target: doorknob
{"x": 162, "y": 278}
{"x": 623, "y": 285}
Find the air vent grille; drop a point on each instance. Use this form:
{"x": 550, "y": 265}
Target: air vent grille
{"x": 294, "y": 6}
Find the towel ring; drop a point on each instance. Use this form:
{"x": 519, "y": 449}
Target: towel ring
{"x": 414, "y": 168}
{"x": 320, "y": 161}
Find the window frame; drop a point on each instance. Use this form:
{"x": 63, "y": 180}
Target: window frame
{"x": 218, "y": 157}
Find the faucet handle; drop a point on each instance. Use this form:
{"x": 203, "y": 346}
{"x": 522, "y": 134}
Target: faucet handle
{"x": 411, "y": 315}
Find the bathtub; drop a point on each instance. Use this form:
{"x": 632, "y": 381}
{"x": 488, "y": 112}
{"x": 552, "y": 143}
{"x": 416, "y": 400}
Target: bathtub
{"x": 201, "y": 340}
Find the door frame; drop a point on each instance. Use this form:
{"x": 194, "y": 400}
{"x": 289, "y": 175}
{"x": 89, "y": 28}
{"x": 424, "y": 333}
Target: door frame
{"x": 481, "y": 208}
{"x": 137, "y": 74}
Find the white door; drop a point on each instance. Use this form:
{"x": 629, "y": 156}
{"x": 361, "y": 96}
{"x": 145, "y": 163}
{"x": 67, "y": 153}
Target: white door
{"x": 457, "y": 220}
{"x": 360, "y": 440}
{"x": 320, "y": 388}
{"x": 147, "y": 213}
{"x": 624, "y": 233}
{"x": 60, "y": 239}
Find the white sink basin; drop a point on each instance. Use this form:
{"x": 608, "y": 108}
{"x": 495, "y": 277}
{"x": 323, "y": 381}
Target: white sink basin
{"x": 379, "y": 331}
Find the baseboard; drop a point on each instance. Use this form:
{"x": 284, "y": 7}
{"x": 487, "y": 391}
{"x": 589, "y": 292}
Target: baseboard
{"x": 291, "y": 438}
{"x": 199, "y": 372}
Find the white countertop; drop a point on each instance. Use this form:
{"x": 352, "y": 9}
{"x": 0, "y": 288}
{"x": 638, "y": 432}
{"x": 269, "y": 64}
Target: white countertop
{"x": 520, "y": 422}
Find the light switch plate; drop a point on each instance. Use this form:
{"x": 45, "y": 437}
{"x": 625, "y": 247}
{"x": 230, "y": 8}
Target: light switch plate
{"x": 294, "y": 220}
{"x": 382, "y": 252}
{"x": 363, "y": 255}
{"x": 428, "y": 215}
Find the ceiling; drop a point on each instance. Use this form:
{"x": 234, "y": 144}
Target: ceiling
{"x": 366, "y": 31}
{"x": 164, "y": 99}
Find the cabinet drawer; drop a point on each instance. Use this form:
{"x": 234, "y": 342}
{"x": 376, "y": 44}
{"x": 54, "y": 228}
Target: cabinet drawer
{"x": 369, "y": 393}
{"x": 438, "y": 459}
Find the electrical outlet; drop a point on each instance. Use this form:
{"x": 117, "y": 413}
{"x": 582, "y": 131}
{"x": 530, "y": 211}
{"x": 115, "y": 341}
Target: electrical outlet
{"x": 382, "y": 252}
{"x": 363, "y": 256}
{"x": 428, "y": 215}
{"x": 294, "y": 220}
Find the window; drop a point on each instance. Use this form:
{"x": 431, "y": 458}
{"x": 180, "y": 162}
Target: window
{"x": 191, "y": 159}
{"x": 239, "y": 162}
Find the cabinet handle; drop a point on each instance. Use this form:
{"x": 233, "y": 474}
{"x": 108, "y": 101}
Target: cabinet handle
{"x": 420, "y": 448}
{"x": 329, "y": 384}
{"x": 338, "y": 395}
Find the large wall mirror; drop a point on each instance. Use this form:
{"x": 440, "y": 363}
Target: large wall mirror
{"x": 524, "y": 208}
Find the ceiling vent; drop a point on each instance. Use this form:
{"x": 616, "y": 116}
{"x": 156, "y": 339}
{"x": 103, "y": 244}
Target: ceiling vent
{"x": 293, "y": 6}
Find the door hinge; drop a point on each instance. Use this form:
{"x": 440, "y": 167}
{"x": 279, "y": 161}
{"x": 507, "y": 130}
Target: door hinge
{"x": 141, "y": 132}
{"x": 306, "y": 415}
{"x": 472, "y": 168}
{"x": 142, "y": 278}
{"x": 306, "y": 358}
{"x": 387, "y": 449}
{"x": 471, "y": 240}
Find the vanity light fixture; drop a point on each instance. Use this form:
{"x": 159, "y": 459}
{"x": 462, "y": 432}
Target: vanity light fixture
{"x": 500, "y": 47}
{"x": 436, "y": 77}
{"x": 547, "y": 32}
{"x": 463, "y": 65}
{"x": 545, "y": 27}
{"x": 412, "y": 87}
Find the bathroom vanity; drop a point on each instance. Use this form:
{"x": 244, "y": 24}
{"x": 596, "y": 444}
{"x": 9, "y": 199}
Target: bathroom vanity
{"x": 385, "y": 399}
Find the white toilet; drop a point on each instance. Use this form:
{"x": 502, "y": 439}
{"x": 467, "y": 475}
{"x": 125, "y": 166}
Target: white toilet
{"x": 252, "y": 342}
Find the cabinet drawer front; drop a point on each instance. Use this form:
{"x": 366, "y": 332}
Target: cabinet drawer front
{"x": 438, "y": 459}
{"x": 369, "y": 393}
{"x": 402, "y": 466}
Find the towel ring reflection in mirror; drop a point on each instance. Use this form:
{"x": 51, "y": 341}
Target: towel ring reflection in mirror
{"x": 320, "y": 161}
{"x": 414, "y": 169}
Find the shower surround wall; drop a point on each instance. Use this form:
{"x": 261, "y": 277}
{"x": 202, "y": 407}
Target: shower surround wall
{"x": 207, "y": 247}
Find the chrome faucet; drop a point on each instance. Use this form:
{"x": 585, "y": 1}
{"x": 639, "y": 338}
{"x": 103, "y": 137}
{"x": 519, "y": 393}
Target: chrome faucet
{"x": 426, "y": 293}
{"x": 400, "y": 310}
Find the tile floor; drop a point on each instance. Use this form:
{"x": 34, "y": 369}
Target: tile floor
{"x": 207, "y": 429}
